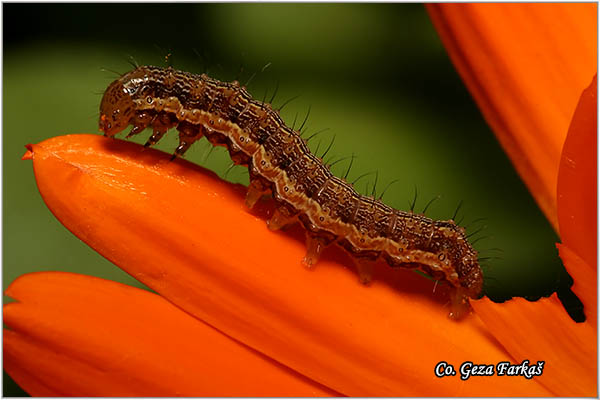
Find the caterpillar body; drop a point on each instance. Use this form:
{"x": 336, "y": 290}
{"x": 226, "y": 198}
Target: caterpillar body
{"x": 279, "y": 162}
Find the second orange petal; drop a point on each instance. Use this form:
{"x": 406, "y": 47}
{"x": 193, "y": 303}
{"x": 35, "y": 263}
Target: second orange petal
{"x": 526, "y": 66}
{"x": 76, "y": 335}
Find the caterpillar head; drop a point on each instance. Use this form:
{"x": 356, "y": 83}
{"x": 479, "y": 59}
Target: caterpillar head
{"x": 116, "y": 109}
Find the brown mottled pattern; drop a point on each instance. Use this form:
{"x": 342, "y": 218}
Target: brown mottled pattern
{"x": 279, "y": 161}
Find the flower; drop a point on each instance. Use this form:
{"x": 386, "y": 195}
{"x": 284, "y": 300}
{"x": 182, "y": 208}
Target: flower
{"x": 187, "y": 235}
{"x": 321, "y": 324}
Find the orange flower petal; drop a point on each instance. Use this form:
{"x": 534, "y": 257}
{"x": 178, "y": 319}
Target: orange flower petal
{"x": 525, "y": 65}
{"x": 577, "y": 199}
{"x": 541, "y": 330}
{"x": 76, "y": 335}
{"x": 187, "y": 235}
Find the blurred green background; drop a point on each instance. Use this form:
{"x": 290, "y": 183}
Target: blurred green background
{"x": 376, "y": 75}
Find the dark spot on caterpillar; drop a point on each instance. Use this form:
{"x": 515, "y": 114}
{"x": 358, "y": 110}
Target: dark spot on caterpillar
{"x": 328, "y": 207}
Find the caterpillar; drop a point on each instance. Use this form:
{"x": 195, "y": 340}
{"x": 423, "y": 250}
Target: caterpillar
{"x": 280, "y": 163}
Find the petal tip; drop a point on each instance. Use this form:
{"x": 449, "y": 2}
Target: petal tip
{"x": 29, "y": 153}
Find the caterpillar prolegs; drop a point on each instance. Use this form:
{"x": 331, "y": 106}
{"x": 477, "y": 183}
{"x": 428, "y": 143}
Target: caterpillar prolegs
{"x": 279, "y": 162}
